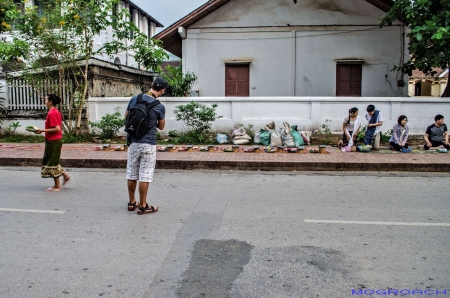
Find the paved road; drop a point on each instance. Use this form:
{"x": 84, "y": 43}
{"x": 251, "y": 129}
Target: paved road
{"x": 225, "y": 234}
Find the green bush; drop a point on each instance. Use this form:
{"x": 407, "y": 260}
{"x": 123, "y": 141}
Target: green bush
{"x": 109, "y": 125}
{"x": 179, "y": 83}
{"x": 20, "y": 138}
{"x": 386, "y": 136}
{"x": 196, "y": 116}
{"x": 84, "y": 138}
{"x": 361, "y": 134}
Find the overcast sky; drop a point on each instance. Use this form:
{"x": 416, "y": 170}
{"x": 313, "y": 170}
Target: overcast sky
{"x": 168, "y": 12}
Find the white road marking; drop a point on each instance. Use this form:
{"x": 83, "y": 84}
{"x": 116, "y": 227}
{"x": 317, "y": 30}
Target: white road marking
{"x": 32, "y": 211}
{"x": 381, "y": 223}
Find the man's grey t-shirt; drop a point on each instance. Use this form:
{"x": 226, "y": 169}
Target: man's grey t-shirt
{"x": 436, "y": 133}
{"x": 156, "y": 113}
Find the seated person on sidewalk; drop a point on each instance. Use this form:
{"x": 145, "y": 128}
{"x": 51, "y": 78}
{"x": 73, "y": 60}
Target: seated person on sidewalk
{"x": 373, "y": 130}
{"x": 351, "y": 128}
{"x": 434, "y": 133}
{"x": 400, "y": 132}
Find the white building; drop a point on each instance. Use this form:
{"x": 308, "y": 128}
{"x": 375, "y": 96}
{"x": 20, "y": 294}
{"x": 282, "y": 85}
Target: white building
{"x": 278, "y": 48}
{"x": 142, "y": 20}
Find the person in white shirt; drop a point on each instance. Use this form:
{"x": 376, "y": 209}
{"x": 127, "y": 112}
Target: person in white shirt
{"x": 373, "y": 131}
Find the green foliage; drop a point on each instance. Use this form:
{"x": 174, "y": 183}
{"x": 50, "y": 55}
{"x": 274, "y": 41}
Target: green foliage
{"x": 386, "y": 136}
{"x": 248, "y": 130}
{"x": 109, "y": 125}
{"x": 11, "y": 129}
{"x": 21, "y": 138}
{"x": 361, "y": 134}
{"x": 64, "y": 32}
{"x": 82, "y": 138}
{"x": 192, "y": 137}
{"x": 196, "y": 116}
{"x": 179, "y": 83}
{"x": 429, "y": 24}
{"x": 325, "y": 127}
{"x": 173, "y": 133}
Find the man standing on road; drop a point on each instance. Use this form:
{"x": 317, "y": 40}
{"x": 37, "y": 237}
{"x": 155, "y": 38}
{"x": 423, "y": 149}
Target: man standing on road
{"x": 142, "y": 151}
{"x": 373, "y": 130}
{"x": 434, "y": 133}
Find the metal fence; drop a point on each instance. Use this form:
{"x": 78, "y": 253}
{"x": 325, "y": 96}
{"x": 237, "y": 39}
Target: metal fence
{"x": 23, "y": 96}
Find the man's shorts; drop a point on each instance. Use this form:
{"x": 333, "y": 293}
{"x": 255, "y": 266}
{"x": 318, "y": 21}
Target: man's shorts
{"x": 141, "y": 162}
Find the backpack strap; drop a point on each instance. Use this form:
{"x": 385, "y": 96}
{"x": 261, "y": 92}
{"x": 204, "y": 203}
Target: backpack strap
{"x": 139, "y": 97}
{"x": 153, "y": 104}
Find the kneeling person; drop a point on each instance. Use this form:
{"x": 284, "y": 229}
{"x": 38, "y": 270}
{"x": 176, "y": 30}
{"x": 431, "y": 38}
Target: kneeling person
{"x": 435, "y": 132}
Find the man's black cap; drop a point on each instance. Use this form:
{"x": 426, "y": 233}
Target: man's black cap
{"x": 161, "y": 83}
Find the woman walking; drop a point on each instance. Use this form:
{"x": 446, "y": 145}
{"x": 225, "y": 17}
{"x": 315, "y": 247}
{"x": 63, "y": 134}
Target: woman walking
{"x": 399, "y": 137}
{"x": 351, "y": 128}
{"x": 53, "y": 144}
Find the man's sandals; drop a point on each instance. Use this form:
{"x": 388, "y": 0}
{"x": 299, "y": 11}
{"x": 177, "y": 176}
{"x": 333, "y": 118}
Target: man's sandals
{"x": 147, "y": 209}
{"x": 132, "y": 206}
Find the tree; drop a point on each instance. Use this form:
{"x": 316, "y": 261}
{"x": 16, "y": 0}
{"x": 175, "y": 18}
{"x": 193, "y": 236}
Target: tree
{"x": 179, "y": 83}
{"x": 56, "y": 41}
{"x": 429, "y": 24}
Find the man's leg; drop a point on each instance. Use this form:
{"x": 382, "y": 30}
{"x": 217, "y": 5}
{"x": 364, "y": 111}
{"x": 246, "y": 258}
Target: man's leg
{"x": 376, "y": 142}
{"x": 131, "y": 190}
{"x": 146, "y": 171}
{"x": 143, "y": 189}
{"x": 132, "y": 174}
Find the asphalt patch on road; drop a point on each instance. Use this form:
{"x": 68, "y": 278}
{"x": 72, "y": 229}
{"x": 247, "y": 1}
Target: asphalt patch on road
{"x": 214, "y": 267}
{"x": 297, "y": 272}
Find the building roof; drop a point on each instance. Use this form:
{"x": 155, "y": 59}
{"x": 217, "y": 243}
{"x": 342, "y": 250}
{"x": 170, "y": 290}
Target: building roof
{"x": 172, "y": 40}
{"x": 94, "y": 62}
{"x": 158, "y": 24}
{"x": 440, "y": 73}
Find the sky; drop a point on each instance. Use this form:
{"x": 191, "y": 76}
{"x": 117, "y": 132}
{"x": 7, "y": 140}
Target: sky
{"x": 168, "y": 12}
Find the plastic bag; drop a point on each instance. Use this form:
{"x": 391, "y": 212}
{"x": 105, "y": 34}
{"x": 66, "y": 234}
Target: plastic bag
{"x": 275, "y": 139}
{"x": 242, "y": 137}
{"x": 221, "y": 138}
{"x": 240, "y": 142}
{"x": 270, "y": 126}
{"x": 257, "y": 139}
{"x": 298, "y": 140}
{"x": 288, "y": 140}
{"x": 238, "y": 132}
{"x": 264, "y": 136}
{"x": 286, "y": 136}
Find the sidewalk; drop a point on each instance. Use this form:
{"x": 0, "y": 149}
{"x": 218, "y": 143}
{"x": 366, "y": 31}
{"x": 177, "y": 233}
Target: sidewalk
{"x": 85, "y": 156}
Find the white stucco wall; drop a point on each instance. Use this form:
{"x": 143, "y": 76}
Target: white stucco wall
{"x": 306, "y": 112}
{"x": 299, "y": 59}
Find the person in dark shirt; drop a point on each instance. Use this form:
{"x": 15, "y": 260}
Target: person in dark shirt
{"x": 435, "y": 132}
{"x": 142, "y": 151}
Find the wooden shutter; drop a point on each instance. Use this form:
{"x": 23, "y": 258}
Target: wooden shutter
{"x": 348, "y": 79}
{"x": 237, "y": 80}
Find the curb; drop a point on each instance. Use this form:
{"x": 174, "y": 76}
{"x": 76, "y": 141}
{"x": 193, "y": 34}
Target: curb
{"x": 237, "y": 165}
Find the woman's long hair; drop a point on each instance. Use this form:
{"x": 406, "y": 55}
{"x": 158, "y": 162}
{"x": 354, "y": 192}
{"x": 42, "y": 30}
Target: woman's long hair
{"x": 351, "y": 111}
{"x": 55, "y": 99}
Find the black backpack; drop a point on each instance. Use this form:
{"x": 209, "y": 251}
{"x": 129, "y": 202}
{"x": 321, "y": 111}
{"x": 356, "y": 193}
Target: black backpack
{"x": 138, "y": 117}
